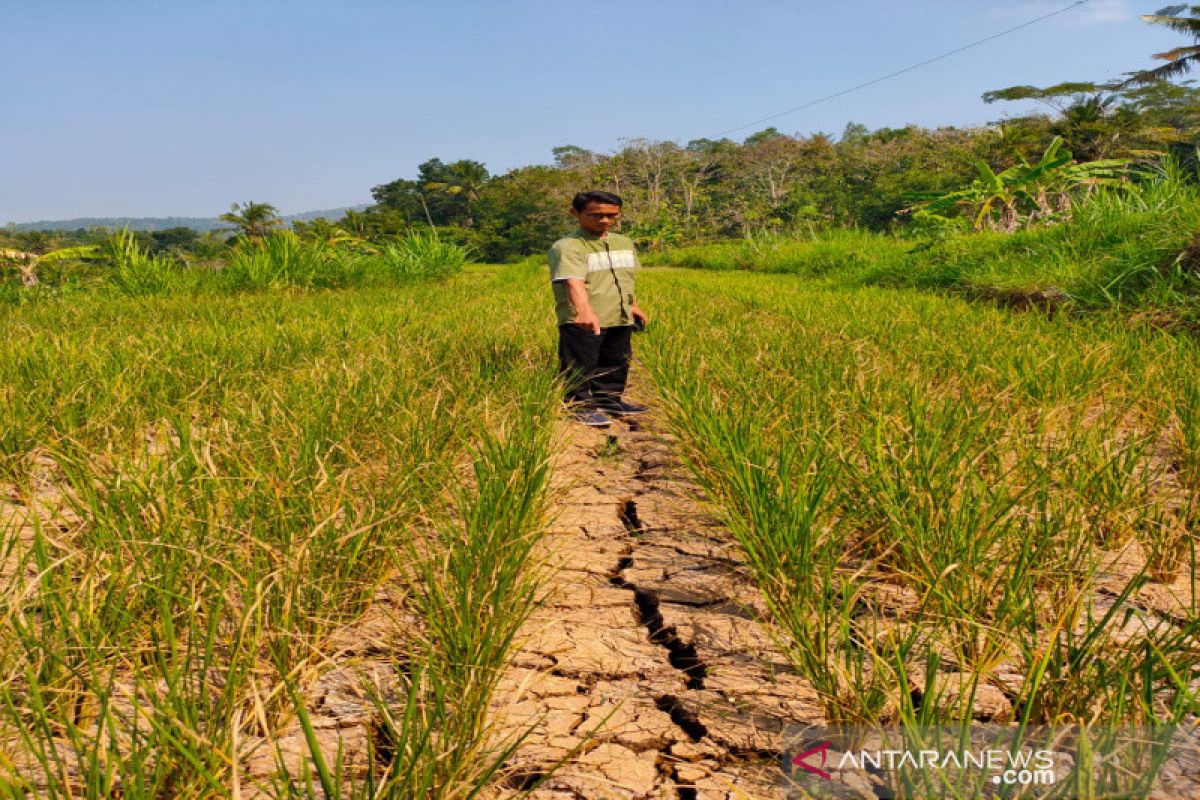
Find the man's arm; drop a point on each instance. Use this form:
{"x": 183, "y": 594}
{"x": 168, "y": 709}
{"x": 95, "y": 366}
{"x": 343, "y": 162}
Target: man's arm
{"x": 568, "y": 265}
{"x": 584, "y": 315}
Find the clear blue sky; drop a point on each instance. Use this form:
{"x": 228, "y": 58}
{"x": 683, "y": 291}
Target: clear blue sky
{"x": 160, "y": 107}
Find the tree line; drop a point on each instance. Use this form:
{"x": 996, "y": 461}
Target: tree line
{"x": 708, "y": 189}
{"x": 711, "y": 189}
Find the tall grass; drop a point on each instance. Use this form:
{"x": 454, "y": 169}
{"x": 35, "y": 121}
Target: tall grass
{"x": 844, "y": 255}
{"x": 133, "y": 271}
{"x": 279, "y": 260}
{"x": 421, "y": 255}
{"x": 284, "y": 260}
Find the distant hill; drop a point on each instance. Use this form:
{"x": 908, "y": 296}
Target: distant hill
{"x": 162, "y": 223}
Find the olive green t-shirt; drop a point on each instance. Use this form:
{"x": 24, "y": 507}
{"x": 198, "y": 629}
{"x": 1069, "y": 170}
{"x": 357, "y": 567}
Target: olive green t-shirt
{"x": 606, "y": 266}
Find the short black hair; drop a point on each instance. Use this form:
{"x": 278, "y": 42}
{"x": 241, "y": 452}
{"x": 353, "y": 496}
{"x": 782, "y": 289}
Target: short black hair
{"x": 579, "y": 202}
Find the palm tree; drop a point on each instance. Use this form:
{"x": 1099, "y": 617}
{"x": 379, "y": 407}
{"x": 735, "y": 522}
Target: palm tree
{"x": 354, "y": 223}
{"x": 254, "y": 219}
{"x": 1181, "y": 59}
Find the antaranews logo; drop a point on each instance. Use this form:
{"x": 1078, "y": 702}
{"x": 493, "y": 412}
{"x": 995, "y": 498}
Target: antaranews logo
{"x": 984, "y": 761}
{"x": 821, "y": 749}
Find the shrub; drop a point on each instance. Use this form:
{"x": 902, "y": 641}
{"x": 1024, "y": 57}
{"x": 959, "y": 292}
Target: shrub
{"x": 421, "y": 255}
{"x": 278, "y": 260}
{"x": 136, "y": 272}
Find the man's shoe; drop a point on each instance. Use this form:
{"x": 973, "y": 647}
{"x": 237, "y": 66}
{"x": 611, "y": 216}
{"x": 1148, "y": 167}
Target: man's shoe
{"x": 592, "y": 418}
{"x": 623, "y": 409}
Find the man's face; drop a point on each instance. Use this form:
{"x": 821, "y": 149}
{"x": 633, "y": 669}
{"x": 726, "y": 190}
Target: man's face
{"x": 597, "y": 218}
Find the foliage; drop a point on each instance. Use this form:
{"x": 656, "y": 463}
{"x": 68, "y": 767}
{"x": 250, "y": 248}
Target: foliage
{"x": 240, "y": 476}
{"x": 1024, "y": 193}
{"x": 284, "y": 260}
{"x": 133, "y": 271}
{"x": 1099, "y": 121}
{"x": 442, "y": 194}
{"x": 421, "y": 255}
{"x": 27, "y": 264}
{"x": 1129, "y": 246}
{"x": 934, "y": 490}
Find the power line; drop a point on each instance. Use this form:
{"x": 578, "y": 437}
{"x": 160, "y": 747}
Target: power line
{"x": 909, "y": 68}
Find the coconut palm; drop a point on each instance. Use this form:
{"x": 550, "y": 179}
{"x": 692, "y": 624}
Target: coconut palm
{"x": 255, "y": 220}
{"x": 1180, "y": 59}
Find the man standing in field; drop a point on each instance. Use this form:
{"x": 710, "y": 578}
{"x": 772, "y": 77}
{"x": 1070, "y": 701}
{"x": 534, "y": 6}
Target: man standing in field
{"x": 591, "y": 272}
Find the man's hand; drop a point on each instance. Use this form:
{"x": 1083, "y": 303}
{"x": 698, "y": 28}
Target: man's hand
{"x": 588, "y": 319}
{"x": 638, "y": 315}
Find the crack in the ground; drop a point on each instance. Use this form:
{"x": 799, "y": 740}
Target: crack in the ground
{"x": 674, "y": 737}
{"x": 765, "y": 753}
{"x": 681, "y": 655}
{"x": 623, "y": 563}
{"x": 685, "y": 718}
{"x": 670, "y": 773}
{"x": 627, "y": 512}
{"x": 716, "y": 601}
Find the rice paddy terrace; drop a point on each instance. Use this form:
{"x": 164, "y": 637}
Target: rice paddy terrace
{"x": 344, "y": 543}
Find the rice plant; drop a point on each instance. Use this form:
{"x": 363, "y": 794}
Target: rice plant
{"x": 931, "y": 490}
{"x": 208, "y": 491}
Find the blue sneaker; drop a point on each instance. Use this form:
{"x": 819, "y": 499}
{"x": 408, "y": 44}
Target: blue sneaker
{"x": 622, "y": 409}
{"x": 592, "y": 418}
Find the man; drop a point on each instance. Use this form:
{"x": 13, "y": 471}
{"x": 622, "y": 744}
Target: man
{"x": 591, "y": 272}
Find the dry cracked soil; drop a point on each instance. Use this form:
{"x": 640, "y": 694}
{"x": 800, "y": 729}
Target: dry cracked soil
{"x": 646, "y": 672}
{"x": 649, "y": 671}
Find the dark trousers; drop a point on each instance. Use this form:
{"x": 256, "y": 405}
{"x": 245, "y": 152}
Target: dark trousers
{"x": 595, "y": 367}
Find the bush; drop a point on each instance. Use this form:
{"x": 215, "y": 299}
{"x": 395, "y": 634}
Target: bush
{"x": 283, "y": 260}
{"x": 133, "y": 271}
{"x": 421, "y": 255}
{"x": 278, "y": 260}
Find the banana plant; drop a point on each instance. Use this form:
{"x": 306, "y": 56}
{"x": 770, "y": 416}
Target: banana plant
{"x": 997, "y": 199}
{"x": 28, "y": 263}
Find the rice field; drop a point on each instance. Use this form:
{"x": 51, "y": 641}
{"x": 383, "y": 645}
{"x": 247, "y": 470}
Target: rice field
{"x": 201, "y": 491}
{"x": 953, "y": 511}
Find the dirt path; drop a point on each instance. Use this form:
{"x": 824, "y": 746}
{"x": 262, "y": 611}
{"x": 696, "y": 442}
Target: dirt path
{"x": 648, "y": 640}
